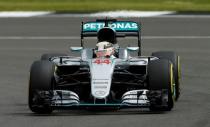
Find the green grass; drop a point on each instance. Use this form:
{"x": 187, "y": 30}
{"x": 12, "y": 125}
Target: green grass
{"x": 104, "y": 5}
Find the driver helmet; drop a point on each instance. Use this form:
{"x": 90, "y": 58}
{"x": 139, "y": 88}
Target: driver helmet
{"x": 107, "y": 34}
{"x": 104, "y": 49}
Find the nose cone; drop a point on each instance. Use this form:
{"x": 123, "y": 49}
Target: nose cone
{"x": 101, "y": 77}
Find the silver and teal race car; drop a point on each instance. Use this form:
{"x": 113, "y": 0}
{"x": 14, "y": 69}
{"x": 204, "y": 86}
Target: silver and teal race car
{"x": 60, "y": 81}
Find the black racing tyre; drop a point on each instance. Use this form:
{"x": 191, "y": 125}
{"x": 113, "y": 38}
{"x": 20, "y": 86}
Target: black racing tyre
{"x": 160, "y": 77}
{"x": 41, "y": 79}
{"x": 175, "y": 59}
{"x": 49, "y": 55}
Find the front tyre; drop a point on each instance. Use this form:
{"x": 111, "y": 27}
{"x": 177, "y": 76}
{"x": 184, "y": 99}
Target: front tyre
{"x": 41, "y": 79}
{"x": 160, "y": 78}
{"x": 175, "y": 59}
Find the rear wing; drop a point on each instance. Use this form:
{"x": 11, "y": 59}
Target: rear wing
{"x": 122, "y": 28}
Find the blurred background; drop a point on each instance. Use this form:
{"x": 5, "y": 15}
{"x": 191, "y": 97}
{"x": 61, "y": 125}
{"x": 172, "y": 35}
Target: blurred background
{"x": 104, "y": 5}
{"x": 25, "y": 36}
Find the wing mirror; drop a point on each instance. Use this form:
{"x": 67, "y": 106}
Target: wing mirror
{"x": 76, "y": 49}
{"x": 132, "y": 48}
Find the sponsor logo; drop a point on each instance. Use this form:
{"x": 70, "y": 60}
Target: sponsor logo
{"x": 100, "y": 93}
{"x": 100, "y": 82}
{"x": 118, "y": 26}
{"x": 100, "y": 87}
{"x": 100, "y": 79}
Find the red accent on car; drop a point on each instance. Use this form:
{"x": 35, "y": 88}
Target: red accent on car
{"x": 101, "y": 61}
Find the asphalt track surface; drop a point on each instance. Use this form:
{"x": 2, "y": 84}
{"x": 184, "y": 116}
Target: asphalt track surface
{"x": 23, "y": 40}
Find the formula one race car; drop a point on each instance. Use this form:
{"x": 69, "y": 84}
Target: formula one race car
{"x": 106, "y": 75}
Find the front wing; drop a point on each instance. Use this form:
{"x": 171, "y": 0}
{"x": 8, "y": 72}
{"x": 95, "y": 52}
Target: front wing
{"x": 62, "y": 99}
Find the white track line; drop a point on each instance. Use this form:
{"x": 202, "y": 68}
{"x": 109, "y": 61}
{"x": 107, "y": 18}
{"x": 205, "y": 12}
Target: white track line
{"x": 160, "y": 16}
{"x": 113, "y": 14}
{"x": 176, "y": 37}
{"x": 124, "y": 13}
{"x": 8, "y": 14}
{"x": 117, "y": 14}
{"x": 38, "y": 37}
{"x": 77, "y": 37}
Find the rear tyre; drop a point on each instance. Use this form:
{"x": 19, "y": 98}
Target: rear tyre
{"x": 41, "y": 79}
{"x": 50, "y": 55}
{"x": 175, "y": 59}
{"x": 160, "y": 78}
